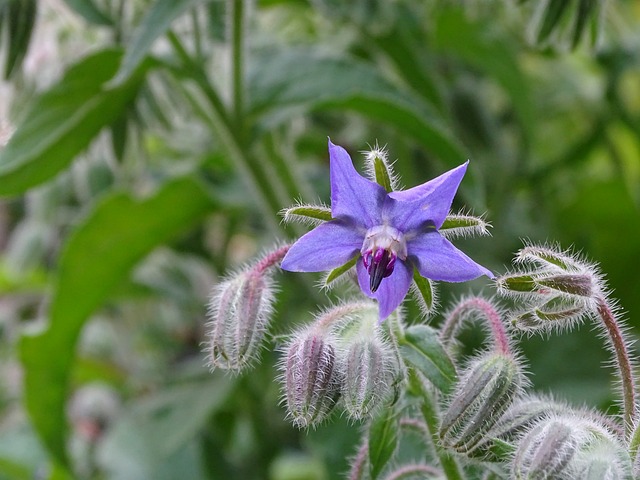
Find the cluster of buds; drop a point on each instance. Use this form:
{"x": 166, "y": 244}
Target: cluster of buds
{"x": 343, "y": 355}
{"x": 570, "y": 446}
{"x": 240, "y": 311}
{"x": 558, "y": 288}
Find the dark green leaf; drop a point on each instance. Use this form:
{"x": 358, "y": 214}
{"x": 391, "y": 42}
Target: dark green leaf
{"x": 98, "y": 256}
{"x": 421, "y": 348}
{"x": 155, "y": 23}
{"x": 63, "y": 122}
{"x": 20, "y": 16}
{"x": 88, "y": 10}
{"x": 586, "y": 10}
{"x": 299, "y": 79}
{"x": 553, "y": 14}
{"x": 383, "y": 440}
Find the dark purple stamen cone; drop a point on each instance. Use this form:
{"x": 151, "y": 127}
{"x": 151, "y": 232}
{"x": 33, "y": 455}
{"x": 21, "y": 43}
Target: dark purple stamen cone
{"x": 379, "y": 264}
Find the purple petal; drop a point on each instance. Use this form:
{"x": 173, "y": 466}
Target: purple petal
{"x": 430, "y": 202}
{"x": 436, "y": 258}
{"x": 327, "y": 246}
{"x": 391, "y": 291}
{"x": 352, "y": 195}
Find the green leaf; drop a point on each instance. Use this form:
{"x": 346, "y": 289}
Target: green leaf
{"x": 493, "y": 55}
{"x": 63, "y": 121}
{"x": 20, "y": 16}
{"x": 383, "y": 440}
{"x": 155, "y": 428}
{"x": 155, "y": 23}
{"x": 552, "y": 16}
{"x": 301, "y": 79}
{"x": 587, "y": 9}
{"x": 88, "y": 10}
{"x": 97, "y": 257}
{"x": 421, "y": 348}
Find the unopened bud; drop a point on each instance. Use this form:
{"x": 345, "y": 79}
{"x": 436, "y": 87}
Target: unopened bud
{"x": 546, "y": 451}
{"x": 580, "y": 285}
{"x": 546, "y": 256}
{"x": 603, "y": 458}
{"x": 311, "y": 376}
{"x": 558, "y": 313}
{"x": 483, "y": 393}
{"x": 239, "y": 314}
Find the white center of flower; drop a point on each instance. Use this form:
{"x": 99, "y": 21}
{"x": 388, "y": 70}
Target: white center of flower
{"x": 382, "y": 246}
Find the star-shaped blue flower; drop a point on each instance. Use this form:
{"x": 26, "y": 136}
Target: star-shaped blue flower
{"x": 391, "y": 233}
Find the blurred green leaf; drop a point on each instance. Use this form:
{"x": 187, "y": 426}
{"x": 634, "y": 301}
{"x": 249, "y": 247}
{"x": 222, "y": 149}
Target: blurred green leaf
{"x": 298, "y": 79}
{"x": 421, "y": 348}
{"x": 553, "y": 13}
{"x": 157, "y": 427}
{"x": 97, "y": 257}
{"x": 19, "y": 16}
{"x": 493, "y": 55}
{"x": 383, "y": 440}
{"x": 63, "y": 121}
{"x": 155, "y": 23}
{"x": 88, "y": 10}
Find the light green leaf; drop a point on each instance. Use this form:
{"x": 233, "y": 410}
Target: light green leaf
{"x": 304, "y": 79}
{"x": 383, "y": 440}
{"x": 96, "y": 259}
{"x": 155, "y": 23}
{"x": 421, "y": 348}
{"x": 157, "y": 427}
{"x": 88, "y": 10}
{"x": 63, "y": 121}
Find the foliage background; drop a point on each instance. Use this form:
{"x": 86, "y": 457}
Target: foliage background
{"x": 147, "y": 146}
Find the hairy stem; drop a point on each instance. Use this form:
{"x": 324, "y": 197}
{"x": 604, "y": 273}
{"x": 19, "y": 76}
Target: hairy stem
{"x": 448, "y": 462}
{"x": 488, "y": 313}
{"x": 622, "y": 359}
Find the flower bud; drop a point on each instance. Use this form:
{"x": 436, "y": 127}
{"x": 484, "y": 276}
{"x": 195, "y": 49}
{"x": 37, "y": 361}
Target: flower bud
{"x": 546, "y": 451}
{"x": 239, "y": 314}
{"x": 580, "y": 285}
{"x": 484, "y": 392}
{"x": 311, "y": 376}
{"x": 559, "y": 312}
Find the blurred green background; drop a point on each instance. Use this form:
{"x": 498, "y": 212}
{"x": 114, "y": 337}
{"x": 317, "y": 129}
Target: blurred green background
{"x": 146, "y": 148}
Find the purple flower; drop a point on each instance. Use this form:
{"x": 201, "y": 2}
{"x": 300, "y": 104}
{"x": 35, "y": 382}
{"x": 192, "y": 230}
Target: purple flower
{"x": 391, "y": 233}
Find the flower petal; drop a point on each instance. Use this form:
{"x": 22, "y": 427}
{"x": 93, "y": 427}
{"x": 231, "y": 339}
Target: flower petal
{"x": 391, "y": 291}
{"x": 436, "y": 258}
{"x": 430, "y": 202}
{"x": 327, "y": 246}
{"x": 352, "y": 195}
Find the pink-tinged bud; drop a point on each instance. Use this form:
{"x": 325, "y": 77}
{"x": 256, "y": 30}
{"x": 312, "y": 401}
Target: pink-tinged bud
{"x": 580, "y": 285}
{"x": 311, "y": 376}
{"x": 484, "y": 392}
{"x": 239, "y": 314}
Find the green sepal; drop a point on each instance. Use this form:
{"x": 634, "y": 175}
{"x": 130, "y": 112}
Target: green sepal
{"x": 519, "y": 283}
{"x": 381, "y": 171}
{"x": 425, "y": 289}
{"x": 459, "y": 225}
{"x": 339, "y": 271}
{"x": 314, "y": 212}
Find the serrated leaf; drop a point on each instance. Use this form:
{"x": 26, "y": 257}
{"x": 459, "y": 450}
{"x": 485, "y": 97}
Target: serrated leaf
{"x": 88, "y": 10}
{"x": 155, "y": 23}
{"x": 306, "y": 79}
{"x": 383, "y": 440}
{"x": 96, "y": 258}
{"x": 421, "y": 349}
{"x": 63, "y": 121}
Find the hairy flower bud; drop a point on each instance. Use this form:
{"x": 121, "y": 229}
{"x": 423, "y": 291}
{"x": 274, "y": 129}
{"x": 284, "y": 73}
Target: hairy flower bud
{"x": 239, "y": 314}
{"x": 569, "y": 446}
{"x": 484, "y": 392}
{"x": 370, "y": 365}
{"x": 311, "y": 376}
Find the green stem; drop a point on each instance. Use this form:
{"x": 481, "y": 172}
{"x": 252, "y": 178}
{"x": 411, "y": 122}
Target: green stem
{"x": 237, "y": 57}
{"x": 429, "y": 411}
